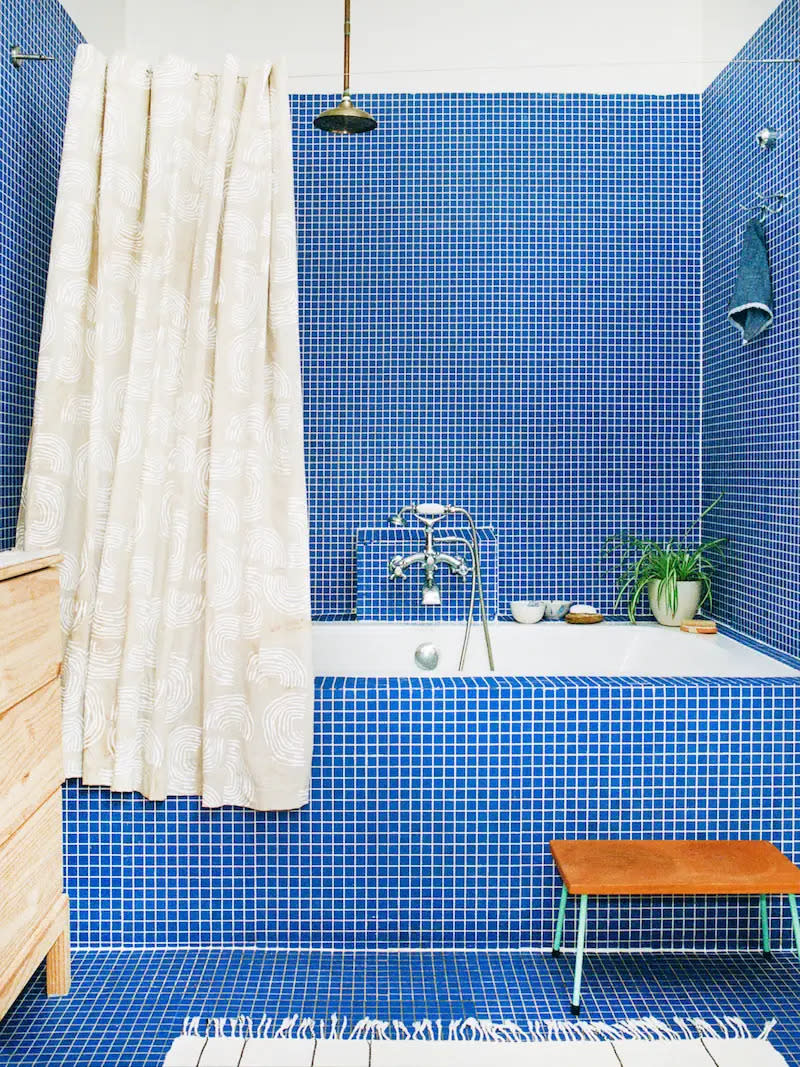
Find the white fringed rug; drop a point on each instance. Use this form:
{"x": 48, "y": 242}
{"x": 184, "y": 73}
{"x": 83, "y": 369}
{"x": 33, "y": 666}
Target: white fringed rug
{"x": 471, "y": 1043}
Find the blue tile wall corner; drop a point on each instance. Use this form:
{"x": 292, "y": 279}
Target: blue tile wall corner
{"x": 380, "y": 598}
{"x": 751, "y": 394}
{"x": 33, "y": 105}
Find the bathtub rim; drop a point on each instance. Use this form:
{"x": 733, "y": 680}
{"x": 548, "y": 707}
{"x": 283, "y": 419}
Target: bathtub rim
{"x": 569, "y": 680}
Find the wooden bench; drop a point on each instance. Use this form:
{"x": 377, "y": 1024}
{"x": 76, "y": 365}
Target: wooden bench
{"x": 669, "y": 868}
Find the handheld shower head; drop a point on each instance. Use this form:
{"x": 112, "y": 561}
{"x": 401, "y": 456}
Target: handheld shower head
{"x": 430, "y": 511}
{"x": 427, "y": 513}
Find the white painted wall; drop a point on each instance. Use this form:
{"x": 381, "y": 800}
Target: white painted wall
{"x": 459, "y": 45}
{"x": 100, "y": 21}
{"x": 569, "y": 45}
{"x": 726, "y": 26}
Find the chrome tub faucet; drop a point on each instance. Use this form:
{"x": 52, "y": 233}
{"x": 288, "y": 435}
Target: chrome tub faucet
{"x": 430, "y": 558}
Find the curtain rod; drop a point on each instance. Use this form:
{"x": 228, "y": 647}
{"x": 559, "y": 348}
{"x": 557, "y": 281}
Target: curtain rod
{"x": 18, "y": 57}
{"x": 530, "y": 66}
{"x": 533, "y": 66}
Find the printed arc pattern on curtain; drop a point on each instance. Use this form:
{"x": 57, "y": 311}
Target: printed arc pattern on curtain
{"x": 166, "y": 457}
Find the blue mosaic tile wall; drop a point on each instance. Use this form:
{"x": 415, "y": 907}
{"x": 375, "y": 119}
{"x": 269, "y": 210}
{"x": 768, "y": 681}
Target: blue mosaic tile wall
{"x": 503, "y": 342}
{"x": 751, "y": 394}
{"x": 383, "y": 599}
{"x": 433, "y": 802}
{"x": 33, "y": 104}
{"x": 500, "y": 299}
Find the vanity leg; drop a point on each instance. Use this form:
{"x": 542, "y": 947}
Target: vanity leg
{"x": 58, "y": 965}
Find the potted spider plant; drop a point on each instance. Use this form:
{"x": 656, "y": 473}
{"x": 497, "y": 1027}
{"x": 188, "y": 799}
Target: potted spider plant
{"x": 676, "y": 574}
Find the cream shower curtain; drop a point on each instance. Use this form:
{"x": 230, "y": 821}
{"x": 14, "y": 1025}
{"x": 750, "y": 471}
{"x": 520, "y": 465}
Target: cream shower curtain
{"x": 166, "y": 456}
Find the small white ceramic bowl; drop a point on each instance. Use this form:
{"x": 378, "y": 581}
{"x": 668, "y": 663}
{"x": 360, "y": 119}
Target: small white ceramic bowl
{"x": 556, "y": 609}
{"x": 527, "y": 611}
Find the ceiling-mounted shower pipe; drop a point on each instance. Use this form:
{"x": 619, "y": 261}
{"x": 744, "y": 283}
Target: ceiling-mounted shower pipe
{"x": 345, "y": 117}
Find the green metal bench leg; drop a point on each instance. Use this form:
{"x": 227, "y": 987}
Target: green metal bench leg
{"x": 575, "y": 1006}
{"x": 562, "y": 911}
{"x": 764, "y": 924}
{"x": 795, "y": 921}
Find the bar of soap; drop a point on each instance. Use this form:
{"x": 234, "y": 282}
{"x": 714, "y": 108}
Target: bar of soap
{"x": 699, "y": 626}
{"x": 583, "y": 609}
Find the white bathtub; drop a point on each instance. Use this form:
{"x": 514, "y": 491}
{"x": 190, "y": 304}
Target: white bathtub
{"x": 366, "y": 649}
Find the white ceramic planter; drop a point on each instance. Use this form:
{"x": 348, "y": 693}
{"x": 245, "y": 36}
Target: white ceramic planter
{"x": 688, "y": 603}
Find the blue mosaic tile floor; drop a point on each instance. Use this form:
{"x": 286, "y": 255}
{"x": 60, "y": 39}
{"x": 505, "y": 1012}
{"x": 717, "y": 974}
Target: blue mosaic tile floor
{"x": 126, "y": 1006}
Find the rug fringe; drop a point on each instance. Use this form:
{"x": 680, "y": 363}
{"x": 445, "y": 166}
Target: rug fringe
{"x": 470, "y": 1029}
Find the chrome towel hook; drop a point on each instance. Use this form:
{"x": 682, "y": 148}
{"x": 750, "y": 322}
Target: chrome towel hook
{"x": 767, "y": 138}
{"x": 766, "y": 205}
{"x": 18, "y": 57}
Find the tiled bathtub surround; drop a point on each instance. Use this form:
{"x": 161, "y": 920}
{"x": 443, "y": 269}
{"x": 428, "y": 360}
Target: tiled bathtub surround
{"x": 500, "y": 298}
{"x": 433, "y": 802}
{"x": 751, "y": 394}
{"x": 33, "y": 106}
{"x": 383, "y": 599}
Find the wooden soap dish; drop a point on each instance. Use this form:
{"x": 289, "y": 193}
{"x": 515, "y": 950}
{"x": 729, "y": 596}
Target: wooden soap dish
{"x": 699, "y": 626}
{"x": 581, "y": 619}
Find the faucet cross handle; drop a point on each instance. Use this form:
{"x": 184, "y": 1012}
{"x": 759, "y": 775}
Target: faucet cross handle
{"x": 398, "y": 565}
{"x": 395, "y": 568}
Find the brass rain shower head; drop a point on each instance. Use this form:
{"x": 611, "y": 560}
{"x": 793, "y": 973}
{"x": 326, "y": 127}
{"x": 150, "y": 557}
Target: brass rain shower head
{"x": 345, "y": 117}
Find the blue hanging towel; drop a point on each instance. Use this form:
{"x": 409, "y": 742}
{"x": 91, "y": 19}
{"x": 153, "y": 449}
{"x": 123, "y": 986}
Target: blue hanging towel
{"x": 750, "y": 309}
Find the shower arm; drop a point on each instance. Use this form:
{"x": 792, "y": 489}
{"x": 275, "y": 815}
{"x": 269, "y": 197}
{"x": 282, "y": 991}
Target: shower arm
{"x": 345, "y": 117}
{"x": 346, "y": 82}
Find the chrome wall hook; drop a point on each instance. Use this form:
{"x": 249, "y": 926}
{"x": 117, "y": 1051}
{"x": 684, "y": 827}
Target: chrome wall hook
{"x": 767, "y": 137}
{"x": 766, "y": 205}
{"x": 18, "y": 57}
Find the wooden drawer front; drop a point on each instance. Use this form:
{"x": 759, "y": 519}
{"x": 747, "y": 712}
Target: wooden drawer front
{"x": 30, "y": 876}
{"x": 31, "y": 764}
{"x": 30, "y": 634}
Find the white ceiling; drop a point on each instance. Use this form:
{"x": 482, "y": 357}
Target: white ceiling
{"x": 459, "y": 45}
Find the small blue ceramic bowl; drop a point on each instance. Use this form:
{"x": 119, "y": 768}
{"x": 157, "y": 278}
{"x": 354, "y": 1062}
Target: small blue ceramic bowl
{"x": 557, "y": 609}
